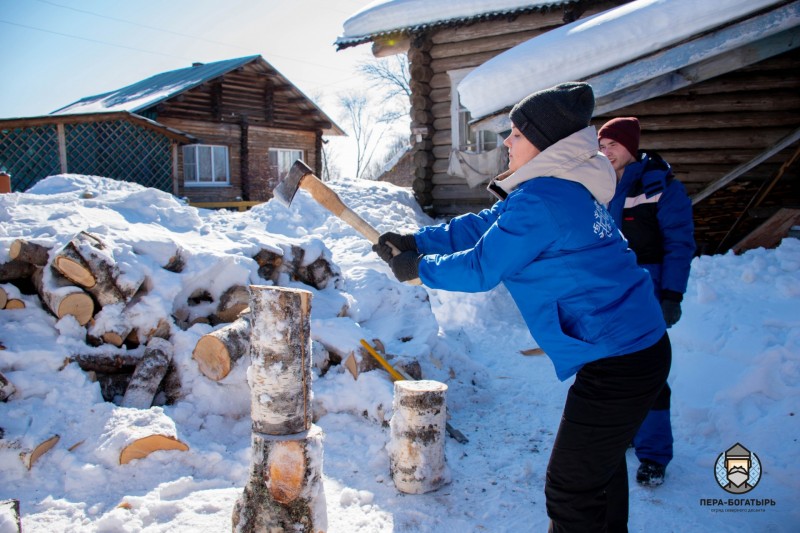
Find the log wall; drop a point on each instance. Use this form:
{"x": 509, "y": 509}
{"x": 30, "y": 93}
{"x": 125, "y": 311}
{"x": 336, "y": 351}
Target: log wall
{"x": 704, "y": 131}
{"x": 431, "y": 56}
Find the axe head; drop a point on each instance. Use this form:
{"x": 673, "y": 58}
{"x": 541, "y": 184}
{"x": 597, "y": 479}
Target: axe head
{"x": 286, "y": 189}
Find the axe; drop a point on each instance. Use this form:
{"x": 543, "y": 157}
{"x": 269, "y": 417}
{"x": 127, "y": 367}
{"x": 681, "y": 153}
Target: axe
{"x": 300, "y": 176}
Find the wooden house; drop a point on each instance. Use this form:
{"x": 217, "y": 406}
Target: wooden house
{"x": 725, "y": 111}
{"x": 215, "y": 133}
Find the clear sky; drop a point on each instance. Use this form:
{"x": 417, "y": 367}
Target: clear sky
{"x": 55, "y": 52}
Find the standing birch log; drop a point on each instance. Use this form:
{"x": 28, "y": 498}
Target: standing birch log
{"x": 148, "y": 374}
{"x": 285, "y": 491}
{"x": 217, "y": 352}
{"x": 416, "y": 446}
{"x": 280, "y": 352}
{"x": 10, "y": 508}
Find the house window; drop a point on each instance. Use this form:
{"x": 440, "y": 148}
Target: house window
{"x": 465, "y": 138}
{"x": 205, "y": 165}
{"x": 281, "y": 160}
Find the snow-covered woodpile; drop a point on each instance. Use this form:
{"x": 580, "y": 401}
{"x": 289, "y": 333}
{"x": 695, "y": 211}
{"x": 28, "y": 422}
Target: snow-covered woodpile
{"x": 128, "y": 349}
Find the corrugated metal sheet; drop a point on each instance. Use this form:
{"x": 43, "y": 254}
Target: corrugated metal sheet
{"x": 345, "y": 41}
{"x": 151, "y": 91}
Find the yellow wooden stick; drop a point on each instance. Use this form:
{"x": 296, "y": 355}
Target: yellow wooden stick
{"x": 384, "y": 363}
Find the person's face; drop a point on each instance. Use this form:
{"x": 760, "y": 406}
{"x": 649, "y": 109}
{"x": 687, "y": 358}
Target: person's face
{"x": 520, "y": 149}
{"x": 619, "y": 156}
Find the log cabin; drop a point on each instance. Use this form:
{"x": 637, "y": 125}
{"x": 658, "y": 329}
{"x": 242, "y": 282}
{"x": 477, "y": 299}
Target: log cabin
{"x": 721, "y": 104}
{"x": 214, "y": 133}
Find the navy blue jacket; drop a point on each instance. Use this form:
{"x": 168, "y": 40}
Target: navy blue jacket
{"x": 653, "y": 211}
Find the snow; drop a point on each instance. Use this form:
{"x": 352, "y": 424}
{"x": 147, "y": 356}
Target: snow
{"x": 735, "y": 378}
{"x": 592, "y": 45}
{"x": 388, "y": 15}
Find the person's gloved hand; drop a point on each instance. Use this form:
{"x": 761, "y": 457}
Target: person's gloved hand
{"x": 671, "y": 307}
{"x": 405, "y": 265}
{"x": 403, "y": 243}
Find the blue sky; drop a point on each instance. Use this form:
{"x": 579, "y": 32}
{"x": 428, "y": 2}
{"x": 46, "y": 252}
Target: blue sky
{"x": 58, "y": 51}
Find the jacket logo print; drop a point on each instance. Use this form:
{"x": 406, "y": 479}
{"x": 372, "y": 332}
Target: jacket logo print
{"x": 603, "y": 223}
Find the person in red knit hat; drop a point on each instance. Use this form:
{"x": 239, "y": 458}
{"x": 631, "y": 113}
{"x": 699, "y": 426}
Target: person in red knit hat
{"x": 654, "y": 213}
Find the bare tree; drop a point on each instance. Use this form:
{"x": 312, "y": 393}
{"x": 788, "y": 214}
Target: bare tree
{"x": 391, "y": 77}
{"x": 365, "y": 127}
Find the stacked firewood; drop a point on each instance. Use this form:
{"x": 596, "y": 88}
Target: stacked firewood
{"x": 133, "y": 364}
{"x": 82, "y": 279}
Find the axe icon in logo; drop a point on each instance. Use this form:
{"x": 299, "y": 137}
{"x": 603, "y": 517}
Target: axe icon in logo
{"x": 738, "y": 470}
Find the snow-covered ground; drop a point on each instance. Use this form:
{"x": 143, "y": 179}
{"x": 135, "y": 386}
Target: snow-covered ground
{"x": 735, "y": 379}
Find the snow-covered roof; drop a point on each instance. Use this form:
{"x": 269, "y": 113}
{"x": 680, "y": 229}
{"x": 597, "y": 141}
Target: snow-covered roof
{"x": 593, "y": 45}
{"x": 149, "y": 92}
{"x": 384, "y": 17}
{"x": 155, "y": 89}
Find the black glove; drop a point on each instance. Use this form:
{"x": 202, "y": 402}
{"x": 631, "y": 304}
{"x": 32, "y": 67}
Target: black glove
{"x": 405, "y": 266}
{"x": 671, "y": 307}
{"x": 403, "y": 243}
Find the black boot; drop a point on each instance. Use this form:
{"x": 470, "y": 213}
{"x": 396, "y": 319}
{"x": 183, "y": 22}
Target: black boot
{"x": 650, "y": 473}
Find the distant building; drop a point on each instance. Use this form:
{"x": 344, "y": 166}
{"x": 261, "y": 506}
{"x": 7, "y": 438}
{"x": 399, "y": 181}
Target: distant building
{"x": 214, "y": 132}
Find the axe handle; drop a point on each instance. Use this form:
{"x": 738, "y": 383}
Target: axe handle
{"x": 328, "y": 199}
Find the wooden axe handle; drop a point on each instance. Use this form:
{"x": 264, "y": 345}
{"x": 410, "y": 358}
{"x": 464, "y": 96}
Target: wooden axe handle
{"x": 328, "y": 199}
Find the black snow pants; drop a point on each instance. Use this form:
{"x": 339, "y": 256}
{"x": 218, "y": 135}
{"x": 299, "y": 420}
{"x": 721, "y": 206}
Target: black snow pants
{"x": 587, "y": 477}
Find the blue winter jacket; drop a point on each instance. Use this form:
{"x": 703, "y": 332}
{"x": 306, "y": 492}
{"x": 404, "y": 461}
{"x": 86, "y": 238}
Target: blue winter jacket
{"x": 559, "y": 253}
{"x": 653, "y": 211}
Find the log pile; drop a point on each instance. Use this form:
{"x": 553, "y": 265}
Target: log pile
{"x": 82, "y": 280}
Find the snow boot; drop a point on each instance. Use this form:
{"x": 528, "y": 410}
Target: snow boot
{"x": 650, "y": 473}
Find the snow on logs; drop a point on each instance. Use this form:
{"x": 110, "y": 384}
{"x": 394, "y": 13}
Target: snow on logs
{"x": 284, "y": 491}
{"x": 416, "y": 446}
{"x": 218, "y": 351}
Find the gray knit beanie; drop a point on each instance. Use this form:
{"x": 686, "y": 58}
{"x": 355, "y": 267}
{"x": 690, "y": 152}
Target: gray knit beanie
{"x": 547, "y": 116}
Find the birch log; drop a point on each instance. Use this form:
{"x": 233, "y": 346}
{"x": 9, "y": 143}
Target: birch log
{"x": 217, "y": 352}
{"x": 148, "y": 374}
{"x": 6, "y": 388}
{"x": 62, "y": 298}
{"x": 231, "y": 303}
{"x": 285, "y": 491}
{"x": 280, "y": 354}
{"x": 3, "y": 297}
{"x": 10, "y": 509}
{"x": 417, "y": 436}
{"x": 15, "y": 269}
{"x": 136, "y": 433}
{"x": 88, "y": 261}
{"x": 30, "y": 252}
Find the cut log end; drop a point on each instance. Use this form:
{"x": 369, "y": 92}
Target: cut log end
{"x": 75, "y": 271}
{"x": 80, "y": 305}
{"x": 15, "y": 303}
{"x": 29, "y": 458}
{"x": 143, "y": 447}
{"x": 213, "y": 358}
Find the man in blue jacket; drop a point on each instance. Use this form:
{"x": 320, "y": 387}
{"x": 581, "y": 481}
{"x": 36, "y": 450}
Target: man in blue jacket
{"x": 587, "y": 303}
{"x": 654, "y": 213}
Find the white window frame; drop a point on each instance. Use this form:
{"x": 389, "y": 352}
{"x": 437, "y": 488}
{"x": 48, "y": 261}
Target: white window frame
{"x": 217, "y": 179}
{"x": 293, "y": 155}
{"x": 485, "y": 140}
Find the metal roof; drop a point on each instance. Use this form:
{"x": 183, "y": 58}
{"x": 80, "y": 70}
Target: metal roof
{"x": 155, "y": 89}
{"x": 149, "y": 92}
{"x": 344, "y": 41}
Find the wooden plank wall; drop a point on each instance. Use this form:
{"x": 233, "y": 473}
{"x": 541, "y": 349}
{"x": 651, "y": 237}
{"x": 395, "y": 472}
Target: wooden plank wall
{"x": 253, "y": 102}
{"x": 260, "y": 140}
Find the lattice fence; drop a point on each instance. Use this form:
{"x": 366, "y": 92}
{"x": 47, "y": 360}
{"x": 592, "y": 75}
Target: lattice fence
{"x": 114, "y": 149}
